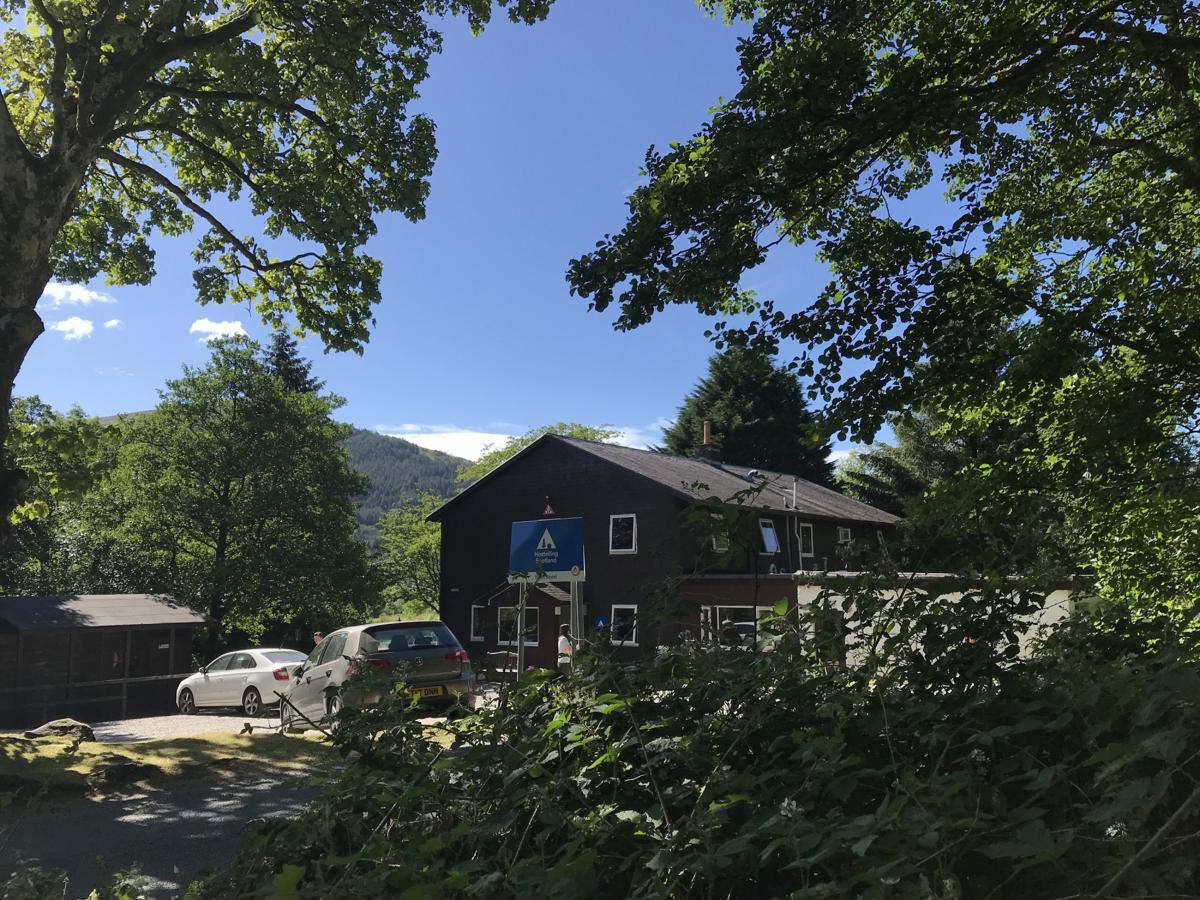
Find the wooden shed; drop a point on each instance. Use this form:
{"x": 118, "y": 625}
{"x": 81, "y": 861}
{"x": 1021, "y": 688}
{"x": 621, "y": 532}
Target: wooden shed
{"x": 93, "y": 656}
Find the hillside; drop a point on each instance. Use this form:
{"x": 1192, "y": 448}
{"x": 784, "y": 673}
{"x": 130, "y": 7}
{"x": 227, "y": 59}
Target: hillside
{"x": 399, "y": 471}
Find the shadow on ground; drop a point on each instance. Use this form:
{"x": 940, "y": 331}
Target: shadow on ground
{"x": 172, "y": 832}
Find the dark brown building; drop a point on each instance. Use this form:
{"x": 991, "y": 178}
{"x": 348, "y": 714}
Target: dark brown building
{"x": 93, "y": 656}
{"x": 671, "y": 543}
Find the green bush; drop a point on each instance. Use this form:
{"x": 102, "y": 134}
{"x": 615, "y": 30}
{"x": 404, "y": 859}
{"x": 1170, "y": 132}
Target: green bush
{"x": 940, "y": 763}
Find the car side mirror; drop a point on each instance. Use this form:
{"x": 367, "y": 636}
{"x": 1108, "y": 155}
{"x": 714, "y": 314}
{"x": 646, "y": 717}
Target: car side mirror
{"x": 204, "y": 670}
{"x": 297, "y": 671}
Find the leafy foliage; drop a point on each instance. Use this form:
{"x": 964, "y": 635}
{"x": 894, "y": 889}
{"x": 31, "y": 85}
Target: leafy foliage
{"x": 494, "y": 456}
{"x": 758, "y": 415}
{"x": 940, "y": 763}
{"x": 933, "y": 476}
{"x": 235, "y": 496}
{"x": 121, "y": 119}
{"x": 410, "y": 560}
{"x": 1051, "y": 294}
{"x": 64, "y": 457}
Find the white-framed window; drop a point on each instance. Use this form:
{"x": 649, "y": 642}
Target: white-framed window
{"x": 506, "y": 626}
{"x": 844, "y": 534}
{"x": 769, "y": 538}
{"x": 622, "y": 533}
{"x": 624, "y": 629}
{"x": 477, "y": 618}
{"x": 720, "y": 537}
{"x": 804, "y": 536}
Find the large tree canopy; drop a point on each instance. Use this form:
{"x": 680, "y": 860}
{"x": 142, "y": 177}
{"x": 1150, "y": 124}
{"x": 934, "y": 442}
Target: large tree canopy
{"x": 758, "y": 415}
{"x": 119, "y": 118}
{"x": 1064, "y": 135}
{"x": 236, "y": 496}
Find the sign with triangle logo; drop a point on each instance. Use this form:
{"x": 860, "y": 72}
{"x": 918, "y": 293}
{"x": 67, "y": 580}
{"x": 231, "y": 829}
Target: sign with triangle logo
{"x": 546, "y": 550}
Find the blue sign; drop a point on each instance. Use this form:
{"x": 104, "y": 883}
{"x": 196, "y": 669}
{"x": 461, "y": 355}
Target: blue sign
{"x": 546, "y": 549}
{"x": 601, "y": 621}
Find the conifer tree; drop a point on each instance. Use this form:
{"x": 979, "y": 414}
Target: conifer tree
{"x": 759, "y": 418}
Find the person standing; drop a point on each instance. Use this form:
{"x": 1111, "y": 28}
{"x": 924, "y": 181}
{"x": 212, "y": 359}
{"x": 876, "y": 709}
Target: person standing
{"x": 566, "y": 649}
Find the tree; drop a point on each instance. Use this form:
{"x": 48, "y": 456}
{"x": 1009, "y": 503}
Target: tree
{"x": 120, "y": 118}
{"x": 1061, "y": 134}
{"x": 235, "y": 496}
{"x": 1053, "y": 290}
{"x": 928, "y": 476}
{"x": 494, "y": 456}
{"x": 63, "y": 456}
{"x": 759, "y": 418}
{"x": 283, "y": 360}
{"x": 410, "y": 562}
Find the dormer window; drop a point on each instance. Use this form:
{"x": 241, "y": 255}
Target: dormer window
{"x": 622, "y": 533}
{"x": 769, "y": 538}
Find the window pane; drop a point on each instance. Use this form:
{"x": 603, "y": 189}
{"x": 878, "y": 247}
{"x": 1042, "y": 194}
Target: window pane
{"x": 621, "y": 532}
{"x": 221, "y": 663}
{"x": 477, "y": 622}
{"x": 406, "y": 637}
{"x": 720, "y": 537}
{"x": 806, "y": 540}
{"x": 770, "y": 539}
{"x": 624, "y": 625}
{"x": 285, "y": 656}
{"x": 508, "y": 625}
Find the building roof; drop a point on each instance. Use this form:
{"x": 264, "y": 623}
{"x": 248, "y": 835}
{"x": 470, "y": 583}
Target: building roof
{"x": 95, "y": 611}
{"x": 698, "y": 479}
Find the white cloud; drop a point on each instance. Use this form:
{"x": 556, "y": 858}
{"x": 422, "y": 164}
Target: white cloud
{"x": 74, "y": 328}
{"x": 643, "y": 437}
{"x": 112, "y": 323}
{"x": 56, "y": 295}
{"x": 212, "y": 331}
{"x": 452, "y": 439}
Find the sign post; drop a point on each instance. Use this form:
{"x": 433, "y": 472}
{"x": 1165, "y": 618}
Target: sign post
{"x": 541, "y": 551}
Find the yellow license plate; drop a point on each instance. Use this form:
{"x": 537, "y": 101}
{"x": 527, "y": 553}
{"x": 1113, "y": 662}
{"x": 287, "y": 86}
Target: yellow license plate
{"x": 436, "y": 691}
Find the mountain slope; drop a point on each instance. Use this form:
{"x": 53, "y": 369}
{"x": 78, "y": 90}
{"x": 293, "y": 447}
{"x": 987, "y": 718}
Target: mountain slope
{"x": 399, "y": 471}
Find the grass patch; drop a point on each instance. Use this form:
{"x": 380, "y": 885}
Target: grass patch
{"x": 56, "y": 764}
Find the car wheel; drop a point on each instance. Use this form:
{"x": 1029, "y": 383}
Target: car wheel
{"x": 187, "y": 703}
{"x": 333, "y": 706}
{"x": 252, "y": 702}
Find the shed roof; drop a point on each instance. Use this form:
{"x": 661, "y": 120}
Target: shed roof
{"x": 698, "y": 479}
{"x": 95, "y": 611}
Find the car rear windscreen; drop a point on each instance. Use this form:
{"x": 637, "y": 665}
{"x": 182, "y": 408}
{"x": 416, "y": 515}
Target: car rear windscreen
{"x": 285, "y": 656}
{"x": 398, "y": 638}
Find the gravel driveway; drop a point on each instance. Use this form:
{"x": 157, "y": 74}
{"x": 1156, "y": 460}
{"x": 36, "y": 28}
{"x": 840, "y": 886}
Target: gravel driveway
{"x": 153, "y": 728}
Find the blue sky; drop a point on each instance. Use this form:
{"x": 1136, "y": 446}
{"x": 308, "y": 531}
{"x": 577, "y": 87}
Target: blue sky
{"x": 540, "y": 133}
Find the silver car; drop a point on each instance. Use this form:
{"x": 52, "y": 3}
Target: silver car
{"x": 427, "y": 660}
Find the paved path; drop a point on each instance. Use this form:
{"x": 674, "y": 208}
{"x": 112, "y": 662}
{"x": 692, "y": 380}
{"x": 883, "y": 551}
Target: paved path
{"x": 172, "y": 832}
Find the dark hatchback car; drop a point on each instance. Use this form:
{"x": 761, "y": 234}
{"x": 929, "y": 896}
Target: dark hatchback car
{"x": 425, "y": 658}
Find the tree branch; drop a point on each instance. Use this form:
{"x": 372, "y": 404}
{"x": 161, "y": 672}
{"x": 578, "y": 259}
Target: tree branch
{"x": 241, "y": 97}
{"x": 58, "y": 84}
{"x": 12, "y": 145}
{"x": 183, "y": 197}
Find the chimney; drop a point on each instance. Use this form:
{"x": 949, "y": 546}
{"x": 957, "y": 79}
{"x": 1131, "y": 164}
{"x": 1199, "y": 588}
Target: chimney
{"x": 706, "y": 450}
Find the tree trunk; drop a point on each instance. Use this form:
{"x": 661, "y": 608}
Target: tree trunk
{"x": 36, "y": 198}
{"x": 20, "y": 326}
